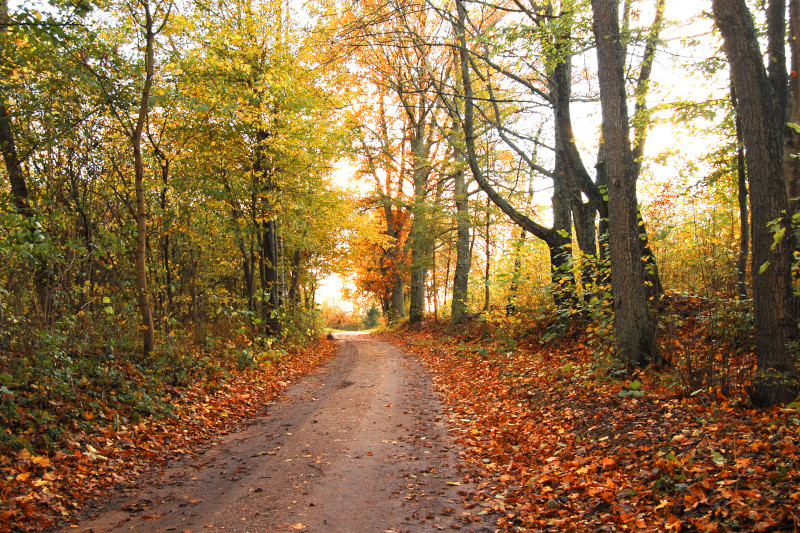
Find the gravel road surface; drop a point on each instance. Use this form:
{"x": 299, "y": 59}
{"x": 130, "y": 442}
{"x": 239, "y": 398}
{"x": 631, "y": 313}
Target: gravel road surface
{"x": 359, "y": 446}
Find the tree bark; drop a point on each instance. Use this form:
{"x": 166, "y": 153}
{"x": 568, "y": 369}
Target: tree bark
{"x": 398, "y": 298}
{"x": 760, "y": 96}
{"x": 487, "y": 270}
{"x": 791, "y": 163}
{"x": 459, "y": 310}
{"x": 145, "y": 308}
{"x": 295, "y": 277}
{"x": 419, "y": 236}
{"x": 635, "y": 327}
{"x": 459, "y": 307}
{"x": 396, "y": 301}
{"x": 556, "y": 240}
{"x": 744, "y": 213}
{"x": 19, "y": 188}
{"x": 268, "y": 238}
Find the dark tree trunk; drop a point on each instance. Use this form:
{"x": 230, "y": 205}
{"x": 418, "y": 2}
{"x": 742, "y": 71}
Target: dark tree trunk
{"x": 459, "y": 310}
{"x": 145, "y": 307}
{"x": 419, "y": 235}
{"x": 487, "y": 270}
{"x": 791, "y": 163}
{"x": 267, "y": 237}
{"x": 761, "y": 95}
{"x": 560, "y": 243}
{"x": 293, "y": 294}
{"x": 635, "y": 328}
{"x": 603, "y": 250}
{"x": 744, "y": 213}
{"x": 396, "y": 300}
{"x": 19, "y": 189}
{"x": 272, "y": 277}
{"x": 165, "y": 296}
{"x": 416, "y": 293}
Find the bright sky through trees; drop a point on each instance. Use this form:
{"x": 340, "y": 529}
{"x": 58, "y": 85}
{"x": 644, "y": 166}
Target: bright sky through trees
{"x": 677, "y": 77}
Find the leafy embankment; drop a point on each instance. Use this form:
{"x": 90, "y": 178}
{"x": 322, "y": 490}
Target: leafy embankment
{"x": 561, "y": 446}
{"x": 104, "y": 440}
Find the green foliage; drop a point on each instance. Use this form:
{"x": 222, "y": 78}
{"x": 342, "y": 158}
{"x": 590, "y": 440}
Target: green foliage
{"x": 592, "y": 306}
{"x": 634, "y": 388}
{"x": 371, "y": 317}
{"x": 731, "y": 322}
{"x": 302, "y": 326}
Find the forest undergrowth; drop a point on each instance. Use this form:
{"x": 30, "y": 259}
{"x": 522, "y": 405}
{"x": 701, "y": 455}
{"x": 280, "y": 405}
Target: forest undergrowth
{"x": 74, "y": 438}
{"x": 567, "y": 440}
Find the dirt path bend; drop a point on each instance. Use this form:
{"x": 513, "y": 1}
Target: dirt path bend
{"x": 359, "y": 446}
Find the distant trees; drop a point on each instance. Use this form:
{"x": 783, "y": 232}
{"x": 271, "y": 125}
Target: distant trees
{"x": 473, "y": 70}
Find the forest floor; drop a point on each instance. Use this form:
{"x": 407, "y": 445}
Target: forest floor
{"x": 565, "y": 444}
{"x": 110, "y": 426}
{"x": 360, "y": 445}
{"x": 478, "y": 430}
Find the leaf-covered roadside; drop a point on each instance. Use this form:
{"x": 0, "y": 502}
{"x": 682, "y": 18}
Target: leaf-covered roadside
{"x": 40, "y": 488}
{"x": 565, "y": 448}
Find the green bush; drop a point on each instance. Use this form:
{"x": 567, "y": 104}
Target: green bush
{"x": 371, "y": 318}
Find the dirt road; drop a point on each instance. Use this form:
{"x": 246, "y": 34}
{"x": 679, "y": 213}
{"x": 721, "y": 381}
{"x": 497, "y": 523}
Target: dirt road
{"x": 359, "y": 446}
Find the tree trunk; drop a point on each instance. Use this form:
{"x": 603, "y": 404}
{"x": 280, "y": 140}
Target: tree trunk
{"x": 447, "y": 265}
{"x": 487, "y": 271}
{"x": 571, "y": 169}
{"x": 550, "y": 236}
{"x": 398, "y": 298}
{"x": 419, "y": 235}
{"x": 19, "y": 189}
{"x": 293, "y": 294}
{"x": 396, "y": 301}
{"x": 560, "y": 243}
{"x": 145, "y": 308}
{"x": 165, "y": 300}
{"x": 272, "y": 277}
{"x": 635, "y": 328}
{"x": 434, "y": 292}
{"x": 791, "y": 163}
{"x": 459, "y": 309}
{"x": 267, "y": 237}
{"x": 744, "y": 214}
{"x": 762, "y": 119}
